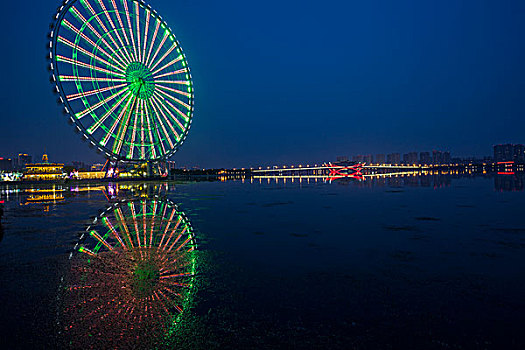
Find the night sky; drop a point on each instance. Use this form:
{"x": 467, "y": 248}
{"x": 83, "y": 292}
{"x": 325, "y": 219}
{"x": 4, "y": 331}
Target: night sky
{"x": 297, "y": 82}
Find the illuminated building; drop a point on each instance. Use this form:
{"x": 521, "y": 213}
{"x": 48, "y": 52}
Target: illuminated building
{"x": 44, "y": 171}
{"x": 97, "y": 167}
{"x": 83, "y": 175}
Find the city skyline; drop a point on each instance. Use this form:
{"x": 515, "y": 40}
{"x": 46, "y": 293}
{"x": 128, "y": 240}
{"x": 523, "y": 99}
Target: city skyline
{"x": 296, "y": 93}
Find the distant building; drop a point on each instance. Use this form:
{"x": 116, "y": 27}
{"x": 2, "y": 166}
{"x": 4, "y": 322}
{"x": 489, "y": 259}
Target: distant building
{"x": 6, "y": 164}
{"x": 380, "y": 159}
{"x": 368, "y": 159}
{"x": 79, "y": 165}
{"x": 97, "y": 167}
{"x": 509, "y": 152}
{"x": 410, "y": 158}
{"x": 437, "y": 157}
{"x": 393, "y": 158}
{"x": 24, "y": 159}
{"x": 446, "y": 158}
{"x": 339, "y": 159}
{"x": 358, "y": 158}
{"x": 424, "y": 158}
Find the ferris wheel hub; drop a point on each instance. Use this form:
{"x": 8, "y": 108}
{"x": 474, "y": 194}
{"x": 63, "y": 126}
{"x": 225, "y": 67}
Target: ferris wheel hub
{"x": 140, "y": 79}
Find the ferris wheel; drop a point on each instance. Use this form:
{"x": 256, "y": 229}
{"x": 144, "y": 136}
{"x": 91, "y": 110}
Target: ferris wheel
{"x": 132, "y": 275}
{"x": 122, "y": 78}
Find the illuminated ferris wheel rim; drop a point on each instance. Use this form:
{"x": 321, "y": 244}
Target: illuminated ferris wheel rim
{"x": 142, "y": 81}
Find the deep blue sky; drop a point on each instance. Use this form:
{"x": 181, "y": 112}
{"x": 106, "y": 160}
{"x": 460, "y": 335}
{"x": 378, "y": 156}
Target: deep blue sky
{"x": 294, "y": 82}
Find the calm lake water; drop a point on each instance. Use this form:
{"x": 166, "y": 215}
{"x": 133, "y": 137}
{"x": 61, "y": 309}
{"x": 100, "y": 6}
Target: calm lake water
{"x": 402, "y": 263}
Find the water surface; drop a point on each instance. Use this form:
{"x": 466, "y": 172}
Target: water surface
{"x": 419, "y": 263}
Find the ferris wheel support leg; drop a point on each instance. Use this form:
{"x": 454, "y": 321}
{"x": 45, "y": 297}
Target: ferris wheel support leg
{"x": 112, "y": 169}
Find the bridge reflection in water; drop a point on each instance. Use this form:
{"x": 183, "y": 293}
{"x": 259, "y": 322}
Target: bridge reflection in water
{"x": 131, "y": 277}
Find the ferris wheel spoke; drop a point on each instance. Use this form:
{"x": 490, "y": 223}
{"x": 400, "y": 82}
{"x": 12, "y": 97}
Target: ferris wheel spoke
{"x": 93, "y": 92}
{"x": 176, "y": 275}
{"x": 178, "y": 82}
{"x": 159, "y": 111}
{"x": 177, "y": 239}
{"x": 117, "y": 12}
{"x": 172, "y": 62}
{"x": 152, "y": 145}
{"x": 70, "y": 78}
{"x": 166, "y": 134}
{"x": 133, "y": 135}
{"x": 89, "y": 54}
{"x": 135, "y": 223}
{"x": 99, "y": 104}
{"x": 114, "y": 126}
{"x": 88, "y": 6}
{"x": 143, "y": 203}
{"x": 74, "y": 62}
{"x": 137, "y": 20}
{"x": 162, "y": 108}
{"x": 99, "y": 238}
{"x": 155, "y": 33}
{"x": 121, "y": 134}
{"x": 180, "y": 71}
{"x": 103, "y": 7}
{"x": 172, "y": 232}
{"x": 183, "y": 243}
{"x": 130, "y": 28}
{"x": 173, "y": 211}
{"x": 157, "y": 132}
{"x": 168, "y": 105}
{"x": 154, "y": 211}
{"x": 170, "y": 302}
{"x": 122, "y": 223}
{"x": 183, "y": 93}
{"x": 111, "y": 228}
{"x": 85, "y": 250}
{"x": 142, "y": 136}
{"x": 161, "y": 44}
{"x": 102, "y": 119}
{"x": 146, "y": 29}
{"x": 164, "y": 95}
{"x": 85, "y": 22}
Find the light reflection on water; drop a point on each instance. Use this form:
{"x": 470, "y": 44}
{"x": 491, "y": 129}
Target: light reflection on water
{"x": 412, "y": 262}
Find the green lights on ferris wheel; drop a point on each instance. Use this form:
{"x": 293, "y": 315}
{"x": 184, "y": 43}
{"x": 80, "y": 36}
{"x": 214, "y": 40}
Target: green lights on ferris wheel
{"x": 120, "y": 79}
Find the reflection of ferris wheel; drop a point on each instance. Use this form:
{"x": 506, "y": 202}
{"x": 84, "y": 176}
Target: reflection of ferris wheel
{"x": 132, "y": 275}
{"x": 122, "y": 77}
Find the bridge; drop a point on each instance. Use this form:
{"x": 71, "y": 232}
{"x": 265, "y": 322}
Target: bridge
{"x": 329, "y": 171}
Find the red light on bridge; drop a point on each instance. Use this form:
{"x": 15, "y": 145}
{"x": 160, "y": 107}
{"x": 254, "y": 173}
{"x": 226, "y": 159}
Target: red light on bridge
{"x": 510, "y": 162}
{"x": 505, "y": 172}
